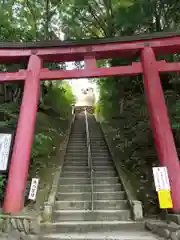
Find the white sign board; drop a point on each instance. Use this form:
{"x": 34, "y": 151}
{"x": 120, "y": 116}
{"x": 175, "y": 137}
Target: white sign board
{"x": 33, "y": 189}
{"x": 5, "y": 144}
{"x": 161, "y": 178}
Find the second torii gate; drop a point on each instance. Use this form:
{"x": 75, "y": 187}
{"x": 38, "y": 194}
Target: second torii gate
{"x": 90, "y": 50}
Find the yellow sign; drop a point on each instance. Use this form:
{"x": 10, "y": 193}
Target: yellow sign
{"x": 165, "y": 200}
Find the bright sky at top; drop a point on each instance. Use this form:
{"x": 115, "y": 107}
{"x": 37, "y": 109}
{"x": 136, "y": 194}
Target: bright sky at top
{"x": 78, "y": 84}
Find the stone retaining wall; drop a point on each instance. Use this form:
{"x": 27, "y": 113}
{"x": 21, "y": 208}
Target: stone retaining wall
{"x": 19, "y": 227}
{"x": 169, "y": 231}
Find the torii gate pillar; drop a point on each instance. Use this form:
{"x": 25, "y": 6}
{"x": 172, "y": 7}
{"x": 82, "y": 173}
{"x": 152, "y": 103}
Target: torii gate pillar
{"x": 162, "y": 132}
{"x": 14, "y": 199}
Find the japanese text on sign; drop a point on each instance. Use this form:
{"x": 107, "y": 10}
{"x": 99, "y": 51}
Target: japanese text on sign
{"x": 5, "y": 144}
{"x": 33, "y": 189}
{"x": 162, "y": 185}
{"x": 161, "y": 178}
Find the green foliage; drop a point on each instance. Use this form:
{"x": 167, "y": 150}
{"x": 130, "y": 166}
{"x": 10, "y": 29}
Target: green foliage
{"x": 41, "y": 142}
{"x": 60, "y": 98}
{"x": 3, "y": 180}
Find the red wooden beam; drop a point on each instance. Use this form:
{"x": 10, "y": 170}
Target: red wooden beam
{"x": 99, "y": 51}
{"x": 165, "y": 67}
{"x": 111, "y": 50}
{"x": 133, "y": 69}
{"x": 12, "y": 76}
{"x": 46, "y": 74}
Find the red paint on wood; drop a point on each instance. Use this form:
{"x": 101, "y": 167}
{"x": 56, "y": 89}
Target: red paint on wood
{"x": 92, "y": 72}
{"x": 164, "y": 66}
{"x": 46, "y": 74}
{"x": 99, "y": 51}
{"x": 162, "y": 132}
{"x": 14, "y": 198}
{"x": 90, "y": 62}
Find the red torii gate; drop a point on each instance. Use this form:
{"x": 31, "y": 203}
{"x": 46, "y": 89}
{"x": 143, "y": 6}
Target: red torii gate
{"x": 90, "y": 51}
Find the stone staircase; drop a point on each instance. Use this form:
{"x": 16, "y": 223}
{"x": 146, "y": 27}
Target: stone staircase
{"x": 81, "y": 214}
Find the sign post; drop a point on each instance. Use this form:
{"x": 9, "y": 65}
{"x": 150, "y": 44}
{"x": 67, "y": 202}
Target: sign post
{"x": 33, "y": 189}
{"x": 163, "y": 189}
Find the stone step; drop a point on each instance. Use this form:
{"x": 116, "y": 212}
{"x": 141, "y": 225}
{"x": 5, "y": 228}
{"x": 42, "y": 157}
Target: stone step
{"x": 87, "y": 173}
{"x": 118, "y": 235}
{"x": 76, "y": 157}
{"x": 78, "y": 160}
{"x": 100, "y": 154}
{"x": 83, "y": 168}
{"x": 91, "y": 226}
{"x": 76, "y": 150}
{"x": 15, "y": 235}
{"x": 96, "y": 215}
{"x": 97, "y": 204}
{"x": 70, "y": 181}
{"x": 107, "y": 180}
{"x": 96, "y": 148}
{"x": 102, "y": 163}
{"x": 83, "y": 163}
{"x": 87, "y": 188}
{"x": 75, "y": 174}
{"x": 86, "y": 196}
{"x": 75, "y": 163}
{"x": 77, "y": 154}
{"x": 99, "y": 157}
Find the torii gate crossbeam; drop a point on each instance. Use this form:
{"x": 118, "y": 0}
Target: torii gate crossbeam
{"x": 38, "y": 53}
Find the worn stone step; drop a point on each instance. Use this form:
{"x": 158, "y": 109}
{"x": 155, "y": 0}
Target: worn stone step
{"x": 86, "y": 196}
{"x": 96, "y": 137}
{"x": 71, "y": 181}
{"x": 87, "y": 173}
{"x": 78, "y": 159}
{"x": 77, "y": 143}
{"x": 117, "y": 235}
{"x": 87, "y": 188}
{"x": 96, "y": 215}
{"x": 91, "y": 226}
{"x": 75, "y": 174}
{"x": 76, "y": 148}
{"x": 100, "y": 155}
{"x": 78, "y": 133}
{"x": 76, "y": 168}
{"x": 107, "y": 180}
{"x": 97, "y": 204}
{"x": 120, "y": 195}
{"x": 76, "y": 151}
{"x": 76, "y": 155}
{"x": 75, "y": 163}
{"x": 86, "y": 168}
{"x": 104, "y": 168}
{"x": 102, "y": 163}
{"x": 15, "y": 235}
{"x": 100, "y": 149}
{"x": 100, "y": 158}
{"x": 105, "y": 174}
